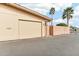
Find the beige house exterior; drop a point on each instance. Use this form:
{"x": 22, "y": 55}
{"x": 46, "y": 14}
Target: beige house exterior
{"x": 18, "y": 22}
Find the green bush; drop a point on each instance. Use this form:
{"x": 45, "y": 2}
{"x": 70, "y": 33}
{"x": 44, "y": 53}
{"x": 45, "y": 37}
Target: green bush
{"x": 61, "y": 24}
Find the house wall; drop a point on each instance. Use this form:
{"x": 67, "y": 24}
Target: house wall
{"x": 77, "y": 30}
{"x": 9, "y": 22}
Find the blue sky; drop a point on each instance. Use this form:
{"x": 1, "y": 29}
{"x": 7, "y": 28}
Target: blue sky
{"x": 44, "y": 8}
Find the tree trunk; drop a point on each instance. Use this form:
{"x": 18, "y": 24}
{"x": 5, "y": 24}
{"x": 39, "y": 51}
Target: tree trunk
{"x": 68, "y": 22}
{"x": 67, "y": 18}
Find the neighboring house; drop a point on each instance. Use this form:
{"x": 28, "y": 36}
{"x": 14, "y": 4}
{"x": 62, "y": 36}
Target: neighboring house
{"x": 74, "y": 30}
{"x": 17, "y": 22}
{"x": 77, "y": 30}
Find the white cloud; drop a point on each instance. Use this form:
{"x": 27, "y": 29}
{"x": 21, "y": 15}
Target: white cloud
{"x": 25, "y": 1}
{"x": 76, "y": 11}
{"x": 77, "y": 26}
{"x": 74, "y": 21}
{"x": 42, "y": 11}
{"x": 77, "y": 8}
{"x": 41, "y": 7}
{"x": 65, "y": 1}
{"x": 57, "y": 21}
{"x": 40, "y": 1}
{"x": 64, "y": 4}
{"x": 46, "y": 6}
{"x": 71, "y": 21}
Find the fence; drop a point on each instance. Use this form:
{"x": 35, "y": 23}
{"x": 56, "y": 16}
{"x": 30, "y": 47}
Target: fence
{"x": 58, "y": 30}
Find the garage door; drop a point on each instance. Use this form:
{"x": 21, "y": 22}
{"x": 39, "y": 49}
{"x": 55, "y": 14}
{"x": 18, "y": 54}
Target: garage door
{"x": 29, "y": 29}
{"x": 8, "y": 27}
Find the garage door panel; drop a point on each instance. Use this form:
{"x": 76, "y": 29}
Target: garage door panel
{"x": 8, "y": 27}
{"x": 29, "y": 29}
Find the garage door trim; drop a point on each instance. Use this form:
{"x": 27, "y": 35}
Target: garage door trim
{"x": 30, "y": 20}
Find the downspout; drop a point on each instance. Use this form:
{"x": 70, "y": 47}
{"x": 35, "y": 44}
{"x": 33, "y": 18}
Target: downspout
{"x": 45, "y": 28}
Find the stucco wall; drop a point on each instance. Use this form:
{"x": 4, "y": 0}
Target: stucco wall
{"x": 58, "y": 30}
{"x": 9, "y": 18}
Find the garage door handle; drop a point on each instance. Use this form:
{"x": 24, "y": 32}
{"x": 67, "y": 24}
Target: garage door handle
{"x": 8, "y": 28}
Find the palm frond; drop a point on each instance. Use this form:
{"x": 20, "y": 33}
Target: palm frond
{"x": 68, "y": 13}
{"x": 52, "y": 11}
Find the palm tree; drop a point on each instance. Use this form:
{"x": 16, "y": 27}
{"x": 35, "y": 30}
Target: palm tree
{"x": 68, "y": 13}
{"x": 52, "y": 12}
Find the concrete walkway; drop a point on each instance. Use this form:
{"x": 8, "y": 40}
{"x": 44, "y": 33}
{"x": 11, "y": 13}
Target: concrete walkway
{"x": 63, "y": 45}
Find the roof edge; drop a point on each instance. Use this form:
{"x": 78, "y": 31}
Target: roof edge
{"x": 28, "y": 10}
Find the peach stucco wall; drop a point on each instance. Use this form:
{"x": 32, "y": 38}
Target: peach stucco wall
{"x": 58, "y": 30}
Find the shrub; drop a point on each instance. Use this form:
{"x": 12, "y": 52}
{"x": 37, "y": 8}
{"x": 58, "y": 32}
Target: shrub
{"x": 61, "y": 24}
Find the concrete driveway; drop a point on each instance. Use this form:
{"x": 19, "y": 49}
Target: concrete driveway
{"x": 63, "y": 45}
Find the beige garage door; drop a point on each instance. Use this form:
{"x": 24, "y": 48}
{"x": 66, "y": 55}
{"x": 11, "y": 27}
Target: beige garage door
{"x": 29, "y": 29}
{"x": 8, "y": 27}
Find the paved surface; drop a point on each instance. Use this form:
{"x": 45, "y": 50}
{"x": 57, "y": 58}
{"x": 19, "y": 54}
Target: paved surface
{"x": 63, "y": 45}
